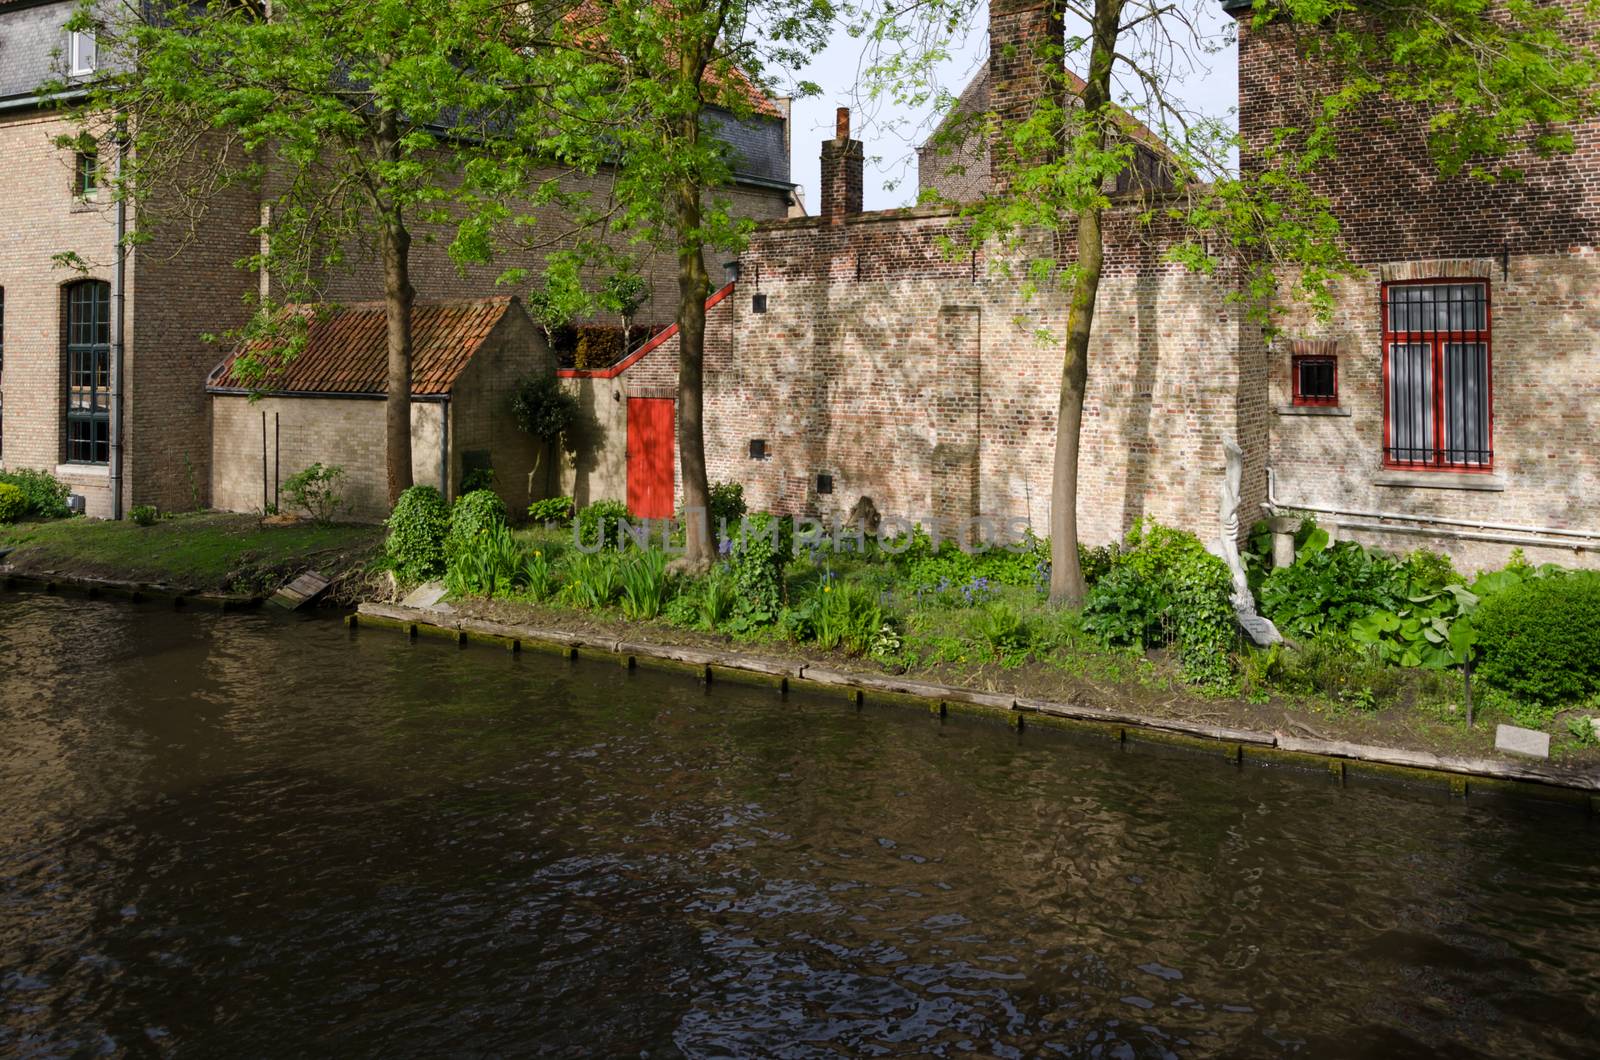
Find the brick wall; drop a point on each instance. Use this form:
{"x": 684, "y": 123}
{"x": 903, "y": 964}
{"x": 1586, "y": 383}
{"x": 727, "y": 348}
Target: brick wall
{"x": 918, "y": 380}
{"x": 481, "y": 419}
{"x": 39, "y": 217}
{"x": 300, "y": 431}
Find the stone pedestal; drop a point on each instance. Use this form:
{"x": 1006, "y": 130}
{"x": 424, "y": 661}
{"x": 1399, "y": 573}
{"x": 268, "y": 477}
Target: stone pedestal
{"x": 1283, "y": 531}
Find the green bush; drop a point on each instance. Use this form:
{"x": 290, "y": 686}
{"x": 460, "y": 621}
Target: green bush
{"x": 417, "y": 529}
{"x": 756, "y": 559}
{"x": 1164, "y": 587}
{"x": 46, "y": 494}
{"x": 490, "y": 565}
{"x": 846, "y": 616}
{"x": 13, "y": 503}
{"x": 474, "y": 514}
{"x": 1004, "y": 631}
{"x": 1330, "y": 588}
{"x": 318, "y": 491}
{"x": 1540, "y": 640}
{"x": 543, "y": 407}
{"x": 557, "y": 510}
{"x": 726, "y": 507}
{"x": 600, "y": 524}
{"x": 478, "y": 478}
{"x": 144, "y": 514}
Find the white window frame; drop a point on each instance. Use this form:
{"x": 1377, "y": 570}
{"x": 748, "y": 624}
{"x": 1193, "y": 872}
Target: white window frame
{"x": 82, "y": 59}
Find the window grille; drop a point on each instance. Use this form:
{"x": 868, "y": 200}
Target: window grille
{"x": 89, "y": 373}
{"x": 1438, "y": 390}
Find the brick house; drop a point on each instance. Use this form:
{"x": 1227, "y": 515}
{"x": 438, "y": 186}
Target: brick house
{"x": 853, "y": 357}
{"x": 103, "y": 371}
{"x": 326, "y": 405}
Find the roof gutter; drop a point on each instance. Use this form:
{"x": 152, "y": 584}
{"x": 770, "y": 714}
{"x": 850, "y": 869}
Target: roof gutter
{"x": 239, "y": 391}
{"x": 35, "y": 102}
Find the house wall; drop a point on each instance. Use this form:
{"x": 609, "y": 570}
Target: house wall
{"x": 301, "y": 431}
{"x": 919, "y": 381}
{"x": 596, "y": 466}
{"x": 34, "y": 226}
{"x": 1535, "y": 243}
{"x": 481, "y": 419}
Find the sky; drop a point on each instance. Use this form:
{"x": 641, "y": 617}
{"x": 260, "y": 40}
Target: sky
{"x": 891, "y": 133}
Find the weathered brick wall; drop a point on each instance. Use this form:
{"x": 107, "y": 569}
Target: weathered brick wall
{"x": 40, "y": 217}
{"x": 919, "y": 381}
{"x": 301, "y": 431}
{"x": 480, "y": 411}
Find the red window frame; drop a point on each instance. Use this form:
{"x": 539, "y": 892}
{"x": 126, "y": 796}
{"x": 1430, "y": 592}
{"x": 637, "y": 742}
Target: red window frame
{"x": 1294, "y": 373}
{"x": 1438, "y": 459}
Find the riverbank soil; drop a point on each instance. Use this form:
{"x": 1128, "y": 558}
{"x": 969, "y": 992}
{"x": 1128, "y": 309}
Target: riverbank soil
{"x": 203, "y": 552}
{"x": 1091, "y": 676}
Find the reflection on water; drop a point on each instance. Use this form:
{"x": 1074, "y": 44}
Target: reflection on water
{"x": 248, "y": 836}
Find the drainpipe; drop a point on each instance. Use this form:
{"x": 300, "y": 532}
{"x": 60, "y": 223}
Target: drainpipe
{"x": 444, "y": 448}
{"x": 1475, "y": 530}
{"x": 119, "y": 278}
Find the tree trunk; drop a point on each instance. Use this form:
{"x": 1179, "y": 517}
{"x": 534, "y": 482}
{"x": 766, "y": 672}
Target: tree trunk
{"x": 1066, "y": 572}
{"x": 398, "y": 297}
{"x": 699, "y": 552}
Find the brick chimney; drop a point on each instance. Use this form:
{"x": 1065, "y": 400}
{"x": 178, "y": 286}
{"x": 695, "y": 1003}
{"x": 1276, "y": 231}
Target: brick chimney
{"x": 1025, "y": 62}
{"x": 842, "y": 174}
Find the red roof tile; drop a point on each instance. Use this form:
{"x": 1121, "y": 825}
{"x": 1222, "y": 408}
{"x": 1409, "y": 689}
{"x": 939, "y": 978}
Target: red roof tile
{"x": 347, "y": 352}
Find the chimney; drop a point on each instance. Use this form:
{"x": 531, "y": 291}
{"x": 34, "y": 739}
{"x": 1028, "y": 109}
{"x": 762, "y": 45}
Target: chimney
{"x": 842, "y": 176}
{"x": 1026, "y": 62}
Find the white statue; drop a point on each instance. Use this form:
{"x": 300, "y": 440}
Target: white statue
{"x": 1262, "y": 631}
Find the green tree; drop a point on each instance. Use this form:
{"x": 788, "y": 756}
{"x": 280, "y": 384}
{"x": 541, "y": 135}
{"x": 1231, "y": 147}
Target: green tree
{"x": 1491, "y": 80}
{"x": 636, "y": 87}
{"x": 353, "y": 120}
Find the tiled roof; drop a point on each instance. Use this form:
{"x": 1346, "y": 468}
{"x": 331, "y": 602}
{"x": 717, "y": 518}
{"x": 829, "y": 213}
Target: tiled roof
{"x": 347, "y": 351}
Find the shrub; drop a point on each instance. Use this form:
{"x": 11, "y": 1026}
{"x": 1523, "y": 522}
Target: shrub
{"x": 756, "y": 559}
{"x": 417, "y": 529}
{"x": 1004, "y": 631}
{"x": 556, "y": 510}
{"x": 543, "y": 407}
{"x": 318, "y": 491}
{"x": 474, "y": 513}
{"x": 46, "y": 494}
{"x": 13, "y": 503}
{"x": 478, "y": 478}
{"x": 599, "y": 346}
{"x": 846, "y": 616}
{"x": 489, "y": 565}
{"x": 600, "y": 524}
{"x": 1329, "y": 588}
{"x": 1165, "y": 587}
{"x": 644, "y": 584}
{"x": 1540, "y": 640}
{"x": 726, "y": 507}
{"x": 144, "y": 514}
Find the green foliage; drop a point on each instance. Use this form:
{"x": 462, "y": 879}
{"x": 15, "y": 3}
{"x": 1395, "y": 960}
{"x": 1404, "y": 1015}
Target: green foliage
{"x": 13, "y": 503}
{"x": 600, "y": 525}
{"x": 46, "y": 495}
{"x": 318, "y": 491}
{"x": 551, "y": 510}
{"x": 544, "y": 408}
{"x": 959, "y": 577}
{"x": 645, "y": 586}
{"x": 1004, "y": 632}
{"x": 756, "y": 559}
{"x": 143, "y": 514}
{"x": 478, "y": 478}
{"x": 1582, "y": 728}
{"x": 1329, "y": 588}
{"x": 490, "y": 564}
{"x": 846, "y": 617}
{"x": 538, "y": 579}
{"x": 1164, "y": 587}
{"x": 417, "y": 529}
{"x": 725, "y": 507}
{"x": 593, "y": 580}
{"x": 1539, "y": 640}
{"x": 474, "y": 515}
{"x": 716, "y": 599}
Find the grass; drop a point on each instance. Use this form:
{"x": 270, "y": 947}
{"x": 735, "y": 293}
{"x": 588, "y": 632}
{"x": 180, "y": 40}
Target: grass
{"x": 203, "y": 550}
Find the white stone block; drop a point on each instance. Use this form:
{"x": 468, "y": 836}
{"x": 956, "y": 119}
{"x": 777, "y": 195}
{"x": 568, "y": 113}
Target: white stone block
{"x": 1517, "y": 741}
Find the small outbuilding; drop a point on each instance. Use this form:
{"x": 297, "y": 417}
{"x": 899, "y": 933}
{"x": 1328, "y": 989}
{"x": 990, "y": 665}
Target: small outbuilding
{"x": 326, "y": 404}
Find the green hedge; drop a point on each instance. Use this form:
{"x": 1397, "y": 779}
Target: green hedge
{"x": 46, "y": 494}
{"x": 1540, "y": 641}
{"x": 13, "y": 503}
{"x": 417, "y": 527}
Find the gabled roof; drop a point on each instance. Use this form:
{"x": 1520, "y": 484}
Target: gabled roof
{"x": 346, "y": 349}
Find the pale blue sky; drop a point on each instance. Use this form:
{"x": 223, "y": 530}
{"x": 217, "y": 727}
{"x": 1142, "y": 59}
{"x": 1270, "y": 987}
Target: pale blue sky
{"x": 892, "y": 133}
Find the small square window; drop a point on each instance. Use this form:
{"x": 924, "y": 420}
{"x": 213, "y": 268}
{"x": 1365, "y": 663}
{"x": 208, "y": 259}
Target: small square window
{"x": 758, "y": 303}
{"x": 758, "y": 449}
{"x": 82, "y": 53}
{"x": 1316, "y": 381}
{"x": 824, "y": 483}
{"x": 86, "y": 174}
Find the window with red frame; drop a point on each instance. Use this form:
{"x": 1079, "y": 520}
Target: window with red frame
{"x": 1316, "y": 380}
{"x": 1436, "y": 370}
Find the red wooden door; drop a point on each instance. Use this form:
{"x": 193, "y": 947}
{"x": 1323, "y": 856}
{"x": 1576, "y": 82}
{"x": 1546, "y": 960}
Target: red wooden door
{"x": 650, "y": 453}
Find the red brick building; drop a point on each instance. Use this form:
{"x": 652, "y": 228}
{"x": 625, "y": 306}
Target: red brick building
{"x": 1451, "y": 402}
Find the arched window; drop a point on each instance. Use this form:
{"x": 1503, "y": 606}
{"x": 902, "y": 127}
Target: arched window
{"x": 89, "y": 372}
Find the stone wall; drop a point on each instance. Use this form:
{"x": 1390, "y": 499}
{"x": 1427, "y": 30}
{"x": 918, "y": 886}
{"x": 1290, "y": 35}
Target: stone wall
{"x": 301, "y": 431}
{"x": 481, "y": 419}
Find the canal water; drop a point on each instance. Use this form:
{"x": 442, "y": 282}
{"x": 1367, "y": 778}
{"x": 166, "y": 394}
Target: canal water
{"x": 260, "y": 835}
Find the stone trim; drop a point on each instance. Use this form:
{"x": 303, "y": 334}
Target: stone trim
{"x": 1314, "y": 348}
{"x": 1437, "y": 269}
{"x": 1442, "y": 480}
{"x": 1311, "y": 410}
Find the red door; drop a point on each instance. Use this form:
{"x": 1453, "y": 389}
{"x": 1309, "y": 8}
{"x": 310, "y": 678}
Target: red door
{"x": 650, "y": 452}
